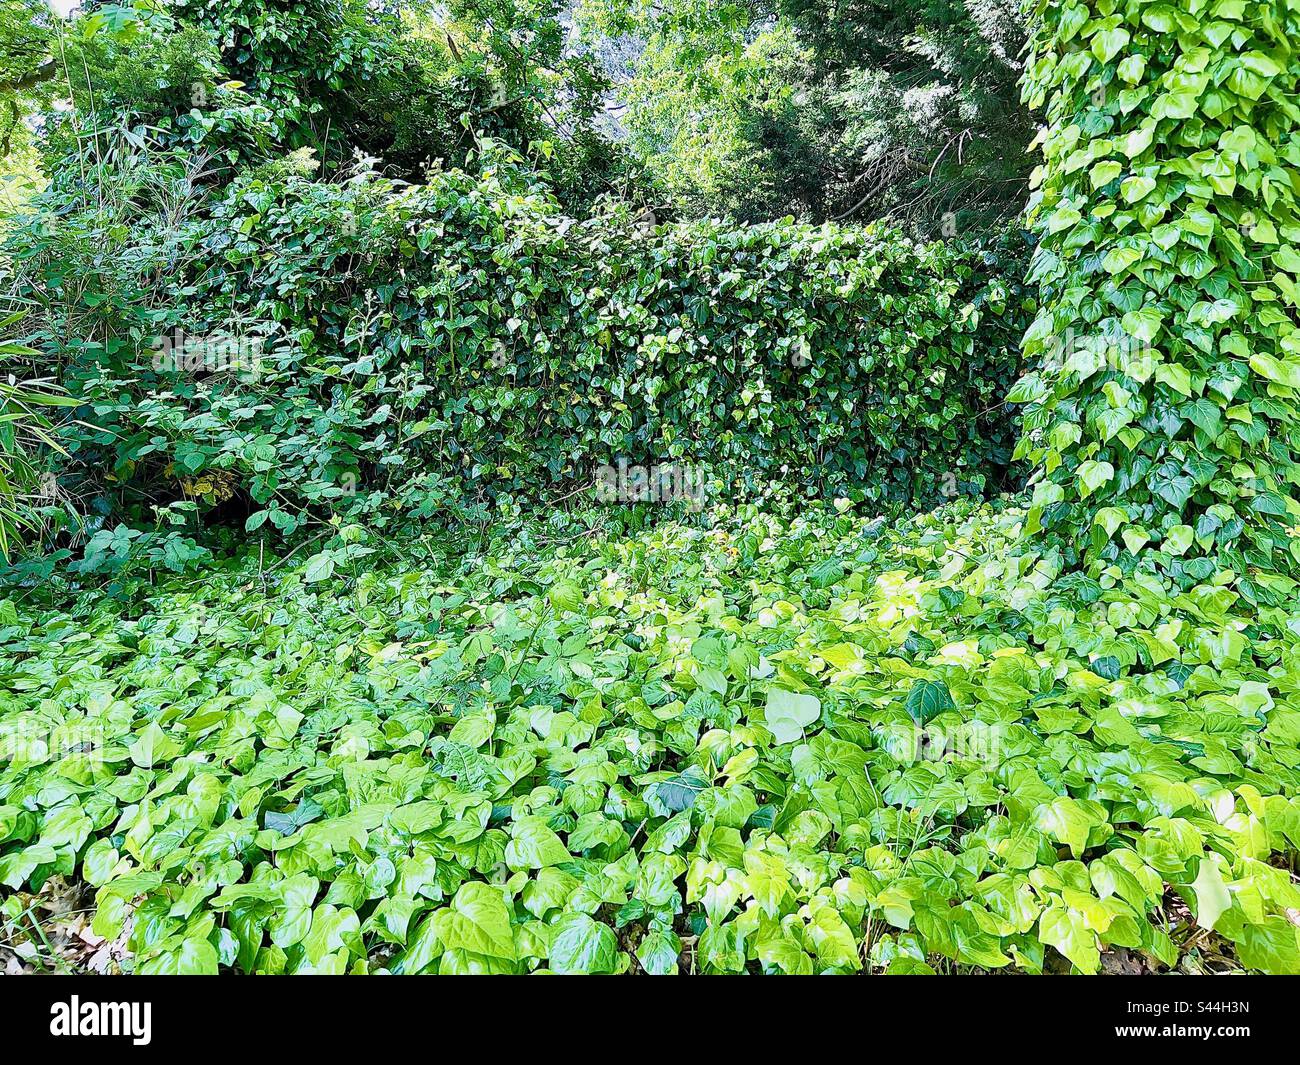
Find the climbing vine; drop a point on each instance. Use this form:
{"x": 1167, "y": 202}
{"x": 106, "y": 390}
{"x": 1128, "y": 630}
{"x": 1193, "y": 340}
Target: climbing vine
{"x": 1162, "y": 420}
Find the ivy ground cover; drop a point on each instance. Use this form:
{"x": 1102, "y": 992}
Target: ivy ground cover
{"x": 831, "y": 744}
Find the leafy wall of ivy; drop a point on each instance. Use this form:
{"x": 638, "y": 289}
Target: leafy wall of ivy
{"x": 423, "y": 345}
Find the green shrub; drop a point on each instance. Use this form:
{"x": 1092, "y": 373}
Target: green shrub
{"x": 829, "y": 110}
{"x": 1162, "y": 424}
{"x": 246, "y": 81}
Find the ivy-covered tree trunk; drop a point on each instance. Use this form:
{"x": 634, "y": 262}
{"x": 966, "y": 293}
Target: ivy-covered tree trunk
{"x": 1163, "y": 420}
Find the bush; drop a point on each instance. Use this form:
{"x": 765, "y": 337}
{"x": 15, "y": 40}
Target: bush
{"x": 906, "y": 110}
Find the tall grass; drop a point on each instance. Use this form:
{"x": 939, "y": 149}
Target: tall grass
{"x": 27, "y": 440}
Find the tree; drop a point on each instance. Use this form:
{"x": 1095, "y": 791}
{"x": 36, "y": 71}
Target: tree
{"x": 410, "y": 83}
{"x": 908, "y": 109}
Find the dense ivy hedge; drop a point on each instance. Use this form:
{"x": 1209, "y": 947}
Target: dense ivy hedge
{"x": 1165, "y": 425}
{"x": 421, "y": 343}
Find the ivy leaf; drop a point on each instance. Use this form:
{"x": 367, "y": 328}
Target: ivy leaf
{"x": 658, "y": 952}
{"x": 1107, "y": 666}
{"x": 1066, "y": 930}
{"x": 680, "y": 792}
{"x": 789, "y": 713}
{"x": 1212, "y": 895}
{"x": 477, "y": 920}
{"x": 534, "y": 845}
{"x": 287, "y": 824}
{"x": 1092, "y": 475}
{"x": 1064, "y": 819}
{"x": 1271, "y": 947}
{"x": 193, "y": 957}
{"x": 582, "y": 945}
{"x": 153, "y": 746}
{"x": 926, "y": 700}
{"x": 825, "y": 574}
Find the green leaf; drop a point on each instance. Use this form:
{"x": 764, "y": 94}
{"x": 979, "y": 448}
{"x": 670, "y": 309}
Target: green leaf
{"x": 193, "y": 957}
{"x": 582, "y": 945}
{"x": 153, "y": 747}
{"x": 1066, "y": 930}
{"x": 789, "y": 713}
{"x": 1066, "y": 820}
{"x": 1212, "y": 896}
{"x": 926, "y": 700}
{"x": 1271, "y": 947}
{"x": 658, "y": 952}
{"x": 566, "y": 597}
{"x": 1109, "y": 43}
{"x": 477, "y": 920}
{"x": 1092, "y": 475}
{"x": 319, "y": 567}
{"x": 533, "y": 845}
{"x": 1283, "y": 371}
